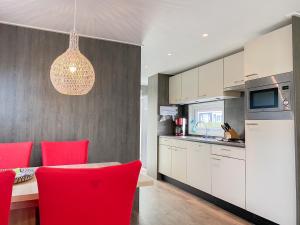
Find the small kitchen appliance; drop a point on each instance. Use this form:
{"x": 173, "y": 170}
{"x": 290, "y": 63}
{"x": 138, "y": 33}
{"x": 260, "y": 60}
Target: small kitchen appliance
{"x": 270, "y": 97}
{"x": 180, "y": 128}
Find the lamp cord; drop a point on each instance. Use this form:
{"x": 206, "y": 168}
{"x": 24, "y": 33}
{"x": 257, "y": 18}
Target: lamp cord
{"x": 75, "y": 12}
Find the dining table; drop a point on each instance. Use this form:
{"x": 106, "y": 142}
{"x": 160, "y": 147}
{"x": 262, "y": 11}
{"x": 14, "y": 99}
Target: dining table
{"x": 25, "y": 197}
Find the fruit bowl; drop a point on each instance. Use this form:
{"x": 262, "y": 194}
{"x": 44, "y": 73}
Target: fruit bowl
{"x": 22, "y": 174}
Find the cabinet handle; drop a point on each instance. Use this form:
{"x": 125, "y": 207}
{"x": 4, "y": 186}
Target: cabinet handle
{"x": 252, "y": 124}
{"x": 216, "y": 159}
{"x": 251, "y": 75}
{"x": 238, "y": 81}
{"x": 224, "y": 149}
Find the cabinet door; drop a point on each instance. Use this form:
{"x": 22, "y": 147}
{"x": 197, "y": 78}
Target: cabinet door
{"x": 179, "y": 164}
{"x": 175, "y": 89}
{"x": 190, "y": 85}
{"x": 198, "y": 166}
{"x": 270, "y": 170}
{"x": 165, "y": 159}
{"x": 210, "y": 81}
{"x": 269, "y": 54}
{"x": 234, "y": 70}
{"x": 228, "y": 179}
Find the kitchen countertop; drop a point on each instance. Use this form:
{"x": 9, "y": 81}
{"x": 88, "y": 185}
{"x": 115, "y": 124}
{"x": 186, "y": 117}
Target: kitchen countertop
{"x": 206, "y": 140}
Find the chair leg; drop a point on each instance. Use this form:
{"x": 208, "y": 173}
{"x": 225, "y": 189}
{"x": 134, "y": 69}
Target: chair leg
{"x": 37, "y": 216}
{"x": 136, "y": 203}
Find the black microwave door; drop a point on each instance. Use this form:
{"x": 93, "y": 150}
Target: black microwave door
{"x": 264, "y": 99}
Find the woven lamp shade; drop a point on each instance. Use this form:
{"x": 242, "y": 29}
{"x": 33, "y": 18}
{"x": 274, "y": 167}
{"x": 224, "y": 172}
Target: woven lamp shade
{"x": 72, "y": 73}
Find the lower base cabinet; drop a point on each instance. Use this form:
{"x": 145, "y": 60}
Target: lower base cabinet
{"x": 228, "y": 179}
{"x": 214, "y": 169}
{"x": 165, "y": 160}
{"x": 198, "y": 166}
{"x": 179, "y": 164}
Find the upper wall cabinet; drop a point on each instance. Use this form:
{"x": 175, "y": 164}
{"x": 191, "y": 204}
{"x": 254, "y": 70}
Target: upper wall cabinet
{"x": 204, "y": 83}
{"x": 269, "y": 54}
{"x": 210, "y": 81}
{"x": 175, "y": 89}
{"x": 189, "y": 85}
{"x": 234, "y": 72}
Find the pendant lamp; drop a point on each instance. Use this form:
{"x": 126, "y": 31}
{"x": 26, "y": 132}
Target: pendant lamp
{"x": 72, "y": 73}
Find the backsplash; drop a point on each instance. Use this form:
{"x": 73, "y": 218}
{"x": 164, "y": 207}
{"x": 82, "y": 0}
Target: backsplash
{"x": 234, "y": 113}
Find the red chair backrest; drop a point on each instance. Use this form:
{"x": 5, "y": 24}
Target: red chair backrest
{"x": 15, "y": 155}
{"x": 87, "y": 196}
{"x": 6, "y": 184}
{"x": 64, "y": 153}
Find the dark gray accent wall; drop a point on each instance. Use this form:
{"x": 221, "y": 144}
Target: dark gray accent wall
{"x": 296, "y": 65}
{"x": 32, "y": 110}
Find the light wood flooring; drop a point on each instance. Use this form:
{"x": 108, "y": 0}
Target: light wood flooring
{"x": 164, "y": 204}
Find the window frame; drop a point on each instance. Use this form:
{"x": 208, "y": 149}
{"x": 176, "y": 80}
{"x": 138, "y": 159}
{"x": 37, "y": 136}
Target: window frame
{"x": 211, "y": 107}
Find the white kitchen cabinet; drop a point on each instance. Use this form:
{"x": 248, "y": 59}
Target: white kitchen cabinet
{"x": 198, "y": 166}
{"x": 234, "y": 71}
{"x": 180, "y": 143}
{"x": 165, "y": 160}
{"x": 210, "y": 81}
{"x": 228, "y": 151}
{"x": 270, "y": 170}
{"x": 179, "y": 164}
{"x": 269, "y": 54}
{"x": 175, "y": 89}
{"x": 190, "y": 85}
{"x": 228, "y": 179}
{"x": 166, "y": 141}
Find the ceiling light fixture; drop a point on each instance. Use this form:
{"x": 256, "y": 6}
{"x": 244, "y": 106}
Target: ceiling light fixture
{"x": 72, "y": 73}
{"x": 169, "y": 54}
{"x": 204, "y": 35}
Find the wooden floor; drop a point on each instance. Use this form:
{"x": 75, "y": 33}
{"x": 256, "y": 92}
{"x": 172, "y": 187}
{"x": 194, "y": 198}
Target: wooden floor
{"x": 164, "y": 204}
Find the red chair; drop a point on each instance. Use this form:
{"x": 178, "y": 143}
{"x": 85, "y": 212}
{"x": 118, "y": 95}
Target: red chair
{"x": 64, "y": 153}
{"x": 6, "y": 183}
{"x": 15, "y": 155}
{"x": 98, "y": 196}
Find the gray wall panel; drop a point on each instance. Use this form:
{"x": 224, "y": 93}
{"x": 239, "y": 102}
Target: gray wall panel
{"x": 32, "y": 110}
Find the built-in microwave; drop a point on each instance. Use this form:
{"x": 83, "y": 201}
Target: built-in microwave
{"x": 270, "y": 97}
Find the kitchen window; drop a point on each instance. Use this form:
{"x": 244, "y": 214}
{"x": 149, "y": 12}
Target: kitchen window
{"x": 205, "y": 119}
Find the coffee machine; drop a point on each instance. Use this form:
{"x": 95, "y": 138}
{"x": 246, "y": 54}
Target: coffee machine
{"x": 180, "y": 128}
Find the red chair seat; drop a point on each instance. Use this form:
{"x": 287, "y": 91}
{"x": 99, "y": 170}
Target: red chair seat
{"x": 15, "y": 155}
{"x": 64, "y": 153}
{"x": 98, "y": 196}
{"x": 6, "y": 183}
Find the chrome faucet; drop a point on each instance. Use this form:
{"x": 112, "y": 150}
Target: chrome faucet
{"x": 205, "y": 126}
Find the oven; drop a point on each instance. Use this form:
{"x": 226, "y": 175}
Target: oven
{"x": 270, "y": 97}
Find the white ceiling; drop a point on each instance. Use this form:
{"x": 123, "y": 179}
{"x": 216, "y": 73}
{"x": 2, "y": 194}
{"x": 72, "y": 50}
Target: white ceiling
{"x": 161, "y": 26}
